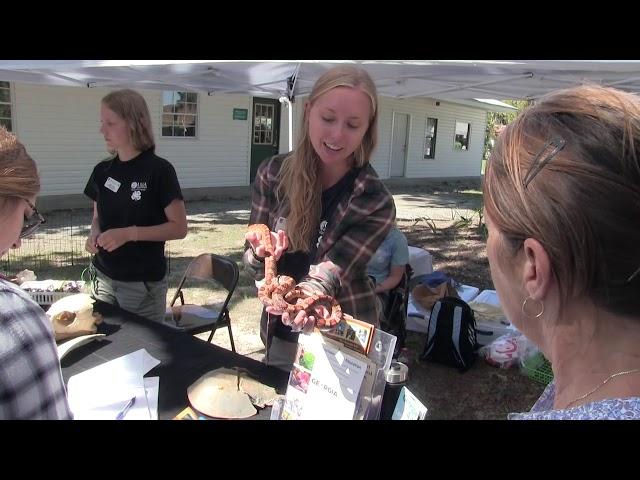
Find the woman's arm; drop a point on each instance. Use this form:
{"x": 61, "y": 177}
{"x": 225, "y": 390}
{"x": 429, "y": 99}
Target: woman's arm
{"x": 91, "y": 245}
{"x": 174, "y": 228}
{"x": 260, "y": 209}
{"x": 392, "y": 281}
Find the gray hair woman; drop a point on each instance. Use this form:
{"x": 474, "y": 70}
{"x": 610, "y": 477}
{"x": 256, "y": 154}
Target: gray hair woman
{"x": 562, "y": 202}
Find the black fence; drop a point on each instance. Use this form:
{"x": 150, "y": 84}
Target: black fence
{"x": 58, "y": 243}
{"x": 57, "y": 247}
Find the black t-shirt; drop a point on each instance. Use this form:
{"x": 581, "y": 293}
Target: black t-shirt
{"x": 129, "y": 193}
{"x": 296, "y": 264}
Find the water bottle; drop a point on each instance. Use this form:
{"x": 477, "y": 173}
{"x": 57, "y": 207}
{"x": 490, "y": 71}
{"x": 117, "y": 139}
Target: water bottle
{"x": 396, "y": 378}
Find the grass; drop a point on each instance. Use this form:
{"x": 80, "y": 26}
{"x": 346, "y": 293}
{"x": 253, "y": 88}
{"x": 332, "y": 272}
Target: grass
{"x": 426, "y": 216}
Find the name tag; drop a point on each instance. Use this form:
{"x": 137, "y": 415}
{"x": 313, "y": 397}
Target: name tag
{"x": 112, "y": 184}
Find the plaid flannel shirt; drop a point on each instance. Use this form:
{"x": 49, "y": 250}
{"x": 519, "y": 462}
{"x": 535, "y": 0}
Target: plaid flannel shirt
{"x": 362, "y": 221}
{"x": 31, "y": 385}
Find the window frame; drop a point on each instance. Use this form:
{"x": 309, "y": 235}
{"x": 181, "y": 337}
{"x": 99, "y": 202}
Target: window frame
{"x": 11, "y": 103}
{"x": 174, "y": 114}
{"x": 455, "y": 129}
{"x": 432, "y": 142}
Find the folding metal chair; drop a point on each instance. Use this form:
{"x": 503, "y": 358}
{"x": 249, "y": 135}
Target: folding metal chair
{"x": 213, "y": 270}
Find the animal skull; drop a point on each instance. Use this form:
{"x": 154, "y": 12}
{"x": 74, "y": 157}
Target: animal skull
{"x": 73, "y": 316}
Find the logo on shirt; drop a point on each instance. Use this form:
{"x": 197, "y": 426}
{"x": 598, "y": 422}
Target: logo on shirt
{"x": 323, "y": 228}
{"x": 137, "y": 195}
{"x": 142, "y": 186}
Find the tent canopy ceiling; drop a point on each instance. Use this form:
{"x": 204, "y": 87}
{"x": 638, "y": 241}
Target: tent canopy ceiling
{"x": 439, "y": 79}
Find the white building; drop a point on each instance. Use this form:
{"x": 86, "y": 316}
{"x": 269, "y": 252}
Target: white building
{"x": 216, "y": 145}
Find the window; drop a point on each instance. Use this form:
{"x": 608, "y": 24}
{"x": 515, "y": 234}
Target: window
{"x": 461, "y": 138}
{"x": 5, "y": 106}
{"x": 179, "y": 114}
{"x": 263, "y": 119}
{"x": 430, "y": 138}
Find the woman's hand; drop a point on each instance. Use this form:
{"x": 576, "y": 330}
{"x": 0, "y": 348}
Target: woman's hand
{"x": 279, "y": 240}
{"x": 114, "y": 238}
{"x": 302, "y": 321}
{"x": 91, "y": 245}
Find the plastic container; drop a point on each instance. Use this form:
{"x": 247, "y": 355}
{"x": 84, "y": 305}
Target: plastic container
{"x": 48, "y": 298}
{"x": 488, "y": 331}
{"x": 538, "y": 369}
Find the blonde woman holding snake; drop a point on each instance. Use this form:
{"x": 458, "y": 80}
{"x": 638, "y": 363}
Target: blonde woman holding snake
{"x": 326, "y": 208}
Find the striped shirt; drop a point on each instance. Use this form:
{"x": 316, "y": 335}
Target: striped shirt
{"x": 362, "y": 220}
{"x": 31, "y": 385}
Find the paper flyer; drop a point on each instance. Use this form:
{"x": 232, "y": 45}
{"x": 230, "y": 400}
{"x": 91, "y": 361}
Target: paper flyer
{"x": 324, "y": 382}
{"x": 408, "y": 407}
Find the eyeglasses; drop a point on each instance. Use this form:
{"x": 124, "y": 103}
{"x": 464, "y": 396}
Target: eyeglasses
{"x": 32, "y": 222}
{"x": 542, "y": 158}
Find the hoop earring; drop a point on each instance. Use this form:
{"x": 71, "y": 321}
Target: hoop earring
{"x": 532, "y": 316}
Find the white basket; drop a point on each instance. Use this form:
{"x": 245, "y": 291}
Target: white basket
{"x": 47, "y": 298}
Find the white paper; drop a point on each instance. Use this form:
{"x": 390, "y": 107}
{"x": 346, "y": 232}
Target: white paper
{"x": 408, "y": 407}
{"x": 100, "y": 393}
{"x": 325, "y": 387}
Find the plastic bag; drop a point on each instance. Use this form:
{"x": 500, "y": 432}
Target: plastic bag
{"x": 25, "y": 276}
{"x": 508, "y": 350}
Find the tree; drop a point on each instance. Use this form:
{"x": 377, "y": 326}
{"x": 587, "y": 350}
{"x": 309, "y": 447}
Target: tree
{"x": 494, "y": 119}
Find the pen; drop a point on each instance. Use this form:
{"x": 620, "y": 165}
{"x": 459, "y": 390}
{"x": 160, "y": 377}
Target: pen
{"x": 126, "y": 408}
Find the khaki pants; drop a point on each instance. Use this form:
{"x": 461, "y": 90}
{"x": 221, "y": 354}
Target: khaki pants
{"x": 147, "y": 299}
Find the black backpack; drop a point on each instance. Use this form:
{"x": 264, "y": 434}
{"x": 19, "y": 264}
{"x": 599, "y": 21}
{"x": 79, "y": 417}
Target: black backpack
{"x": 451, "y": 336}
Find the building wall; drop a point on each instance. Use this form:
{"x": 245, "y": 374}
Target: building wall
{"x": 447, "y": 162}
{"x": 60, "y": 127}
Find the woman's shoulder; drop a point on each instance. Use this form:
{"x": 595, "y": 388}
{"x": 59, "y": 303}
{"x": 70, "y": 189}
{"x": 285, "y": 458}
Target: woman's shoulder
{"x": 270, "y": 167}
{"x": 608, "y": 409}
{"x": 274, "y": 162}
{"x": 158, "y": 161}
{"x": 10, "y": 290}
{"x": 368, "y": 185}
{"x": 104, "y": 163}
{"x": 17, "y": 308}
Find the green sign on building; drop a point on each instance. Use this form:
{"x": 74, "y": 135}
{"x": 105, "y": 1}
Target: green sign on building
{"x": 240, "y": 113}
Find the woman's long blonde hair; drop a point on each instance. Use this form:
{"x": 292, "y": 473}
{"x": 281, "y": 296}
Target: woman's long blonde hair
{"x": 298, "y": 178}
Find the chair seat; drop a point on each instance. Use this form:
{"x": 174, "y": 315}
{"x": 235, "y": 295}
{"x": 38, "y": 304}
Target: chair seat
{"x": 190, "y": 318}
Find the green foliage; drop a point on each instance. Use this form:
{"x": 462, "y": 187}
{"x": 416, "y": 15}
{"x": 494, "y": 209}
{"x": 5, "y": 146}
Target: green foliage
{"x": 430, "y": 223}
{"x": 499, "y": 118}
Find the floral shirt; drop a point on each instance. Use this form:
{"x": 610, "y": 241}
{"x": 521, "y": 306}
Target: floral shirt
{"x": 609, "y": 409}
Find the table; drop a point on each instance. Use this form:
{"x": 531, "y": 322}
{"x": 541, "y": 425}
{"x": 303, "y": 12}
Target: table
{"x": 183, "y": 357}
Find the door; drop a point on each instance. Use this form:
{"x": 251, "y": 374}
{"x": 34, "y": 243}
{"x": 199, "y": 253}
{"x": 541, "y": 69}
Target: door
{"x": 265, "y": 132}
{"x": 399, "y": 144}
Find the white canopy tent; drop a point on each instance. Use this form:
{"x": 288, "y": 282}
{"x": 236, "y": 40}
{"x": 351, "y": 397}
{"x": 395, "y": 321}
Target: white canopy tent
{"x": 439, "y": 79}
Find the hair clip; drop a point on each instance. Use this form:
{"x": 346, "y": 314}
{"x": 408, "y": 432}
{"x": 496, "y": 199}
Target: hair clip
{"x": 541, "y": 160}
